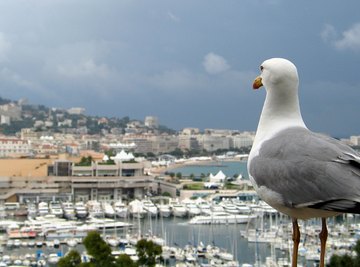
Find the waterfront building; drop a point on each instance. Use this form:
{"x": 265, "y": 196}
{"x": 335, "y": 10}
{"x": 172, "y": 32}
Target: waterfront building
{"x": 63, "y": 179}
{"x": 244, "y": 139}
{"x": 213, "y": 142}
{"x": 164, "y": 143}
{"x": 188, "y": 142}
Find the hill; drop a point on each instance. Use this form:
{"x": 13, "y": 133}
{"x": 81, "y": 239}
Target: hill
{"x": 16, "y": 115}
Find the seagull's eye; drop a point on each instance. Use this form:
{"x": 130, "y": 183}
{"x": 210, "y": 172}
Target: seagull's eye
{"x": 261, "y": 68}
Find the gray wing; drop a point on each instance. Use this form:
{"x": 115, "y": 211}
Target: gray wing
{"x": 309, "y": 170}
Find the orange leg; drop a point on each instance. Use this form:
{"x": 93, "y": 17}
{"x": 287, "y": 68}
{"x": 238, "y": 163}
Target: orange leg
{"x": 323, "y": 237}
{"x": 296, "y": 240}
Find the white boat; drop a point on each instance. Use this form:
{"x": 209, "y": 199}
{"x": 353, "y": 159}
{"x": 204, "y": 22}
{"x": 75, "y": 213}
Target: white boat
{"x": 71, "y": 232}
{"x": 31, "y": 210}
{"x": 178, "y": 209}
{"x": 221, "y": 218}
{"x": 53, "y": 258}
{"x": 242, "y": 207}
{"x": 226, "y": 256}
{"x": 108, "y": 210}
{"x": 113, "y": 241}
{"x": 80, "y": 210}
{"x": 204, "y": 206}
{"x": 192, "y": 209}
{"x": 71, "y": 242}
{"x": 106, "y": 223}
{"x": 164, "y": 210}
{"x": 56, "y": 209}
{"x": 43, "y": 208}
{"x": 69, "y": 210}
{"x": 136, "y": 209}
{"x": 95, "y": 210}
{"x": 121, "y": 209}
{"x": 217, "y": 208}
{"x": 150, "y": 207}
{"x": 230, "y": 208}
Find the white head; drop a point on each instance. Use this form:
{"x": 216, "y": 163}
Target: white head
{"x": 277, "y": 73}
{"x": 281, "y": 108}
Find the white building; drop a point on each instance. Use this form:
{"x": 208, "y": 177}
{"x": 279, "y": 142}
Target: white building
{"x": 5, "y": 119}
{"x": 244, "y": 139}
{"x": 213, "y": 143}
{"x": 151, "y": 122}
{"x": 76, "y": 111}
{"x": 190, "y": 131}
{"x": 11, "y": 110}
{"x": 13, "y": 147}
{"x": 355, "y": 140}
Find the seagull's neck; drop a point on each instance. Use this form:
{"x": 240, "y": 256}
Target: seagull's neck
{"x": 280, "y": 111}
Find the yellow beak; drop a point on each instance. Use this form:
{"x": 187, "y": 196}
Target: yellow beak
{"x": 257, "y": 83}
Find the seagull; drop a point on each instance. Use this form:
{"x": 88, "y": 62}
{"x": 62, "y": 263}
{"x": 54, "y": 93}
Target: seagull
{"x": 296, "y": 171}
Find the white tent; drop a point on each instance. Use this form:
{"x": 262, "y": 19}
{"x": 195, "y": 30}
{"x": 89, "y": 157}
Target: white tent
{"x": 123, "y": 156}
{"x": 218, "y": 178}
{"x": 105, "y": 158}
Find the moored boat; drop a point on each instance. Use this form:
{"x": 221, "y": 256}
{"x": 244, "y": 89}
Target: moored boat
{"x": 221, "y": 218}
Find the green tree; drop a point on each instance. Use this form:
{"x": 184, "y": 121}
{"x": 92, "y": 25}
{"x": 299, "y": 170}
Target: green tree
{"x": 357, "y": 250}
{"x": 85, "y": 161}
{"x": 72, "y": 259}
{"x": 125, "y": 261}
{"x": 341, "y": 261}
{"x": 179, "y": 175}
{"x": 346, "y": 260}
{"x": 147, "y": 252}
{"x": 166, "y": 194}
{"x": 99, "y": 250}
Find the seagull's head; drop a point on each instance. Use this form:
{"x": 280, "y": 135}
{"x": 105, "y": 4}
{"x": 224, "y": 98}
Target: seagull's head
{"x": 277, "y": 73}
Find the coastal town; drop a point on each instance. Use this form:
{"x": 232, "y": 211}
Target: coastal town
{"x": 67, "y": 174}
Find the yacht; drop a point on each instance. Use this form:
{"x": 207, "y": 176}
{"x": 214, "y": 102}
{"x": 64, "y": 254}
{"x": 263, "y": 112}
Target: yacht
{"x": 230, "y": 207}
{"x": 69, "y": 210}
{"x": 108, "y": 210}
{"x": 55, "y": 208}
{"x": 136, "y": 209}
{"x": 95, "y": 209}
{"x": 106, "y": 223}
{"x": 178, "y": 209}
{"x": 43, "y": 209}
{"x": 80, "y": 210}
{"x": 164, "y": 210}
{"x": 192, "y": 209}
{"x": 221, "y": 218}
{"x": 150, "y": 207}
{"x": 121, "y": 209}
{"x": 31, "y": 210}
{"x": 204, "y": 206}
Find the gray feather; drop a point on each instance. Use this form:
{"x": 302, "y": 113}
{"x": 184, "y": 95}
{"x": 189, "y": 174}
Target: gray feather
{"x": 307, "y": 169}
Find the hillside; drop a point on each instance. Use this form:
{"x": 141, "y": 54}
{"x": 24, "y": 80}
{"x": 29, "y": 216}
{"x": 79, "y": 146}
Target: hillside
{"x": 16, "y": 115}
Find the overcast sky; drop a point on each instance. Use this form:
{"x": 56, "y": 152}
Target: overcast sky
{"x": 190, "y": 63}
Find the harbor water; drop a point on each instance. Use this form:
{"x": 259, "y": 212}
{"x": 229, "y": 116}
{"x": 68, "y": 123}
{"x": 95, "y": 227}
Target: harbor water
{"x": 229, "y": 168}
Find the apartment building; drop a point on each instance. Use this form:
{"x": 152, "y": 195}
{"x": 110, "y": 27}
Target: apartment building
{"x": 12, "y": 146}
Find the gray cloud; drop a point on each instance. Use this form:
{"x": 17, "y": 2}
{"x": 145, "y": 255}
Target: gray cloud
{"x": 150, "y": 57}
{"x": 215, "y": 64}
{"x": 350, "y": 38}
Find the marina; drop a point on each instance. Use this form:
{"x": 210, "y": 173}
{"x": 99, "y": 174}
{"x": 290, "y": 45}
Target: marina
{"x": 208, "y": 239}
